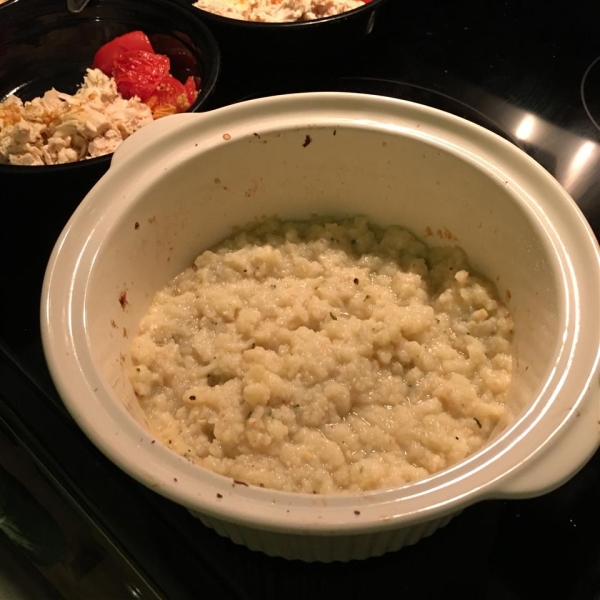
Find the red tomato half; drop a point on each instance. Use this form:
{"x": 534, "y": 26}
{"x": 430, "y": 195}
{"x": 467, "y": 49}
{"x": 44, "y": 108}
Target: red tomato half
{"x": 169, "y": 97}
{"x": 190, "y": 90}
{"x": 138, "y": 73}
{"x": 106, "y": 55}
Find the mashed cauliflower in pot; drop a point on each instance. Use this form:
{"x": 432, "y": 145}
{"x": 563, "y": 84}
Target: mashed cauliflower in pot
{"x": 324, "y": 357}
{"x": 278, "y": 11}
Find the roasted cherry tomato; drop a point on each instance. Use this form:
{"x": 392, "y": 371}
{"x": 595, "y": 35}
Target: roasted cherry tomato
{"x": 190, "y": 90}
{"x": 106, "y": 55}
{"x": 169, "y": 97}
{"x": 138, "y": 73}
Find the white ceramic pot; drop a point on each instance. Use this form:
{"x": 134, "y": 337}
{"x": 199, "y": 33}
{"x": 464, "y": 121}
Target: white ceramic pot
{"x": 178, "y": 186}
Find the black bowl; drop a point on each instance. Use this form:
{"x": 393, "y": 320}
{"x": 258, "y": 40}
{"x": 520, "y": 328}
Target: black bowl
{"x": 43, "y": 45}
{"x": 313, "y": 41}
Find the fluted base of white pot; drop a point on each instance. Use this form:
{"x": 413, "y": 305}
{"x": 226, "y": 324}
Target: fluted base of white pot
{"x": 313, "y": 548}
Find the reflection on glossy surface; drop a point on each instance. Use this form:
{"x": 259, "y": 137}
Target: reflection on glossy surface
{"x": 582, "y": 160}
{"x": 526, "y": 127}
{"x": 76, "y": 6}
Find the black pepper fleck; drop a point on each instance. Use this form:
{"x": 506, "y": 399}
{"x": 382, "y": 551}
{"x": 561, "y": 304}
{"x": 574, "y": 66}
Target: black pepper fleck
{"x": 219, "y": 495}
{"x": 356, "y": 280}
{"x": 357, "y": 512}
{"x": 307, "y": 141}
{"x": 192, "y": 397}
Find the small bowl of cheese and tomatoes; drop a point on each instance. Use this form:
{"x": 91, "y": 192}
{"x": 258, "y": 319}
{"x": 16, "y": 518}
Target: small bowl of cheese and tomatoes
{"x": 87, "y": 81}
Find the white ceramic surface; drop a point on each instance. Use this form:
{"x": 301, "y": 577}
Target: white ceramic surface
{"x": 179, "y": 185}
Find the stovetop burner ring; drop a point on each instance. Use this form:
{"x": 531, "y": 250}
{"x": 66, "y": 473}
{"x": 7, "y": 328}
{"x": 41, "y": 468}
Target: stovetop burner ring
{"x": 592, "y": 110}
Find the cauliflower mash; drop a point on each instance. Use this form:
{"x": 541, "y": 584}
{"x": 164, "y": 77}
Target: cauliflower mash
{"x": 278, "y": 11}
{"x": 324, "y": 357}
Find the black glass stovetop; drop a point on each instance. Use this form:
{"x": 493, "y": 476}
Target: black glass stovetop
{"x": 527, "y": 71}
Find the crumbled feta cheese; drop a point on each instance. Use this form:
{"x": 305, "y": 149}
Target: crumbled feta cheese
{"x": 59, "y": 128}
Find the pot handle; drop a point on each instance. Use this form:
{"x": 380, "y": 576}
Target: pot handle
{"x": 136, "y": 141}
{"x": 567, "y": 454}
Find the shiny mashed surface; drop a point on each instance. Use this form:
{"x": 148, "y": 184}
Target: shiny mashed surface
{"x": 278, "y": 11}
{"x": 323, "y": 357}
{"x": 59, "y": 128}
